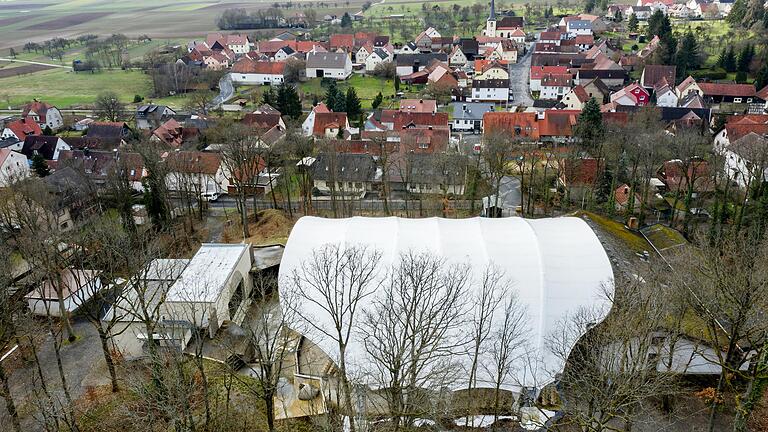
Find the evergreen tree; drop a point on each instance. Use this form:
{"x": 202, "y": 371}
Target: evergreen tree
{"x": 589, "y": 5}
{"x": 654, "y": 24}
{"x": 617, "y": 16}
{"x": 48, "y": 131}
{"x": 632, "y": 24}
{"x": 729, "y": 62}
{"x": 40, "y": 166}
{"x": 761, "y": 79}
{"x": 744, "y": 58}
{"x": 688, "y": 57}
{"x": 346, "y": 20}
{"x": 269, "y": 98}
{"x": 377, "y": 101}
{"x": 737, "y": 13}
{"x": 334, "y": 99}
{"x": 352, "y": 103}
{"x": 288, "y": 101}
{"x": 589, "y": 127}
{"x": 397, "y": 83}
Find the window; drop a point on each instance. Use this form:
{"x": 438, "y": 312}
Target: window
{"x": 736, "y": 100}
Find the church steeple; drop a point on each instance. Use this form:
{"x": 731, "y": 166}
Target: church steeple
{"x": 492, "y": 16}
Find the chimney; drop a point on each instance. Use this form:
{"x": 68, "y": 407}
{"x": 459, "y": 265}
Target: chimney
{"x": 464, "y": 107}
{"x": 626, "y": 189}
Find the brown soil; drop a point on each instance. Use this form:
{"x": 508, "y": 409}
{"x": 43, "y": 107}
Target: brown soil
{"x": 272, "y": 227}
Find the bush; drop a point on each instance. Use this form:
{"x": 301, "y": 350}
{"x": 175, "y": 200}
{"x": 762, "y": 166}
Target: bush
{"x": 716, "y": 74}
{"x": 138, "y": 98}
{"x": 741, "y": 77}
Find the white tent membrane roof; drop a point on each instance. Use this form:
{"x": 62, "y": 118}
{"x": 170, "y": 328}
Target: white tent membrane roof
{"x": 557, "y": 266}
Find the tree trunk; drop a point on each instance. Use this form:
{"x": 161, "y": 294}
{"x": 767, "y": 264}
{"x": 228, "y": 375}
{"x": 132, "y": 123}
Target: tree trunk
{"x": 10, "y": 406}
{"x": 108, "y": 358}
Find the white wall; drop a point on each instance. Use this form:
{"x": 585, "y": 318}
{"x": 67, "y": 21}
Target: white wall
{"x": 15, "y": 166}
{"x": 256, "y": 79}
{"x": 490, "y": 94}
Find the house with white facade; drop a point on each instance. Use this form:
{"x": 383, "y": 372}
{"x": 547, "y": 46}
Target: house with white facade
{"x": 184, "y": 296}
{"x": 247, "y": 71}
{"x": 746, "y": 159}
{"x": 468, "y": 116}
{"x": 555, "y": 86}
{"x": 578, "y": 28}
{"x": 309, "y": 123}
{"x": 44, "y": 114}
{"x": 490, "y": 90}
{"x": 328, "y": 65}
{"x": 378, "y": 56}
{"x": 196, "y": 172}
{"x": 13, "y": 165}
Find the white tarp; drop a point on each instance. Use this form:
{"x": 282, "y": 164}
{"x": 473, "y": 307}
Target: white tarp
{"x": 557, "y": 266}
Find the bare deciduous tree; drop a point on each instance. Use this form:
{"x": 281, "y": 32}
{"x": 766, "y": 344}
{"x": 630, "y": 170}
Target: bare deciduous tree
{"x": 333, "y": 283}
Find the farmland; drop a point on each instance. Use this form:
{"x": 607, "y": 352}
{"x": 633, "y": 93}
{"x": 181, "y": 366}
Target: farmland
{"x": 24, "y": 21}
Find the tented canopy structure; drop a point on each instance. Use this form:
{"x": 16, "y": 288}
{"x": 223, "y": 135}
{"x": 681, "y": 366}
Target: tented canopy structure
{"x": 557, "y": 267}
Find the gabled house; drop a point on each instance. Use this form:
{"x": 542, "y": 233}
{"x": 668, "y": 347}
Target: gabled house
{"x": 247, "y": 71}
{"x": 109, "y": 134}
{"x": 513, "y": 124}
{"x": 578, "y": 177}
{"x": 665, "y": 94}
{"x": 555, "y": 86}
{"x": 418, "y": 105}
{"x": 328, "y": 65}
{"x": 490, "y": 90}
{"x": 170, "y": 133}
{"x": 457, "y": 57}
{"x": 425, "y": 39}
{"x": 344, "y": 173}
{"x": 378, "y": 56}
{"x": 21, "y": 129}
{"x": 576, "y": 98}
{"x": 409, "y": 63}
{"x": 287, "y": 52}
{"x": 48, "y": 147}
{"x": 99, "y": 165}
{"x": 308, "y": 126}
{"x": 330, "y": 125}
{"x": 730, "y": 93}
{"x": 485, "y": 70}
{"x": 632, "y": 95}
{"x": 626, "y": 199}
{"x": 13, "y": 166}
{"x": 746, "y": 159}
{"x": 610, "y": 77}
{"x": 151, "y": 116}
{"x": 578, "y": 28}
{"x": 363, "y": 53}
{"x": 688, "y": 86}
{"x": 195, "y": 172}
{"x": 653, "y": 74}
{"x": 468, "y": 116}
{"x": 538, "y": 72}
{"x": 44, "y": 114}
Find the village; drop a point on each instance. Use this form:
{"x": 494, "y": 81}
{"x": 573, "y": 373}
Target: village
{"x": 545, "y": 217}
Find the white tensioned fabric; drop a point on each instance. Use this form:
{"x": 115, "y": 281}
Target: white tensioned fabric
{"x": 557, "y": 266}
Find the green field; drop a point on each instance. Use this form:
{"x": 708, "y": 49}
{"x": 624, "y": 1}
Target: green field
{"x": 65, "y": 89}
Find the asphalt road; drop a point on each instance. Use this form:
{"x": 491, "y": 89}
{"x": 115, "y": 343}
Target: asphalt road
{"x": 518, "y": 80}
{"x": 226, "y": 91}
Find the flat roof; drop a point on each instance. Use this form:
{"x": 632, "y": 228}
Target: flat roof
{"x": 206, "y": 273}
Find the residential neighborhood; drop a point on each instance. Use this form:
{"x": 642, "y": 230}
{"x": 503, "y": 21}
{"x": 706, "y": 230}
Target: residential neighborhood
{"x": 384, "y": 216}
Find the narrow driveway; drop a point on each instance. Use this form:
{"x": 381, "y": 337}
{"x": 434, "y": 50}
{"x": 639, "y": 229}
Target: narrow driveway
{"x": 510, "y": 196}
{"x": 518, "y": 79}
{"x": 34, "y": 63}
{"x": 226, "y": 91}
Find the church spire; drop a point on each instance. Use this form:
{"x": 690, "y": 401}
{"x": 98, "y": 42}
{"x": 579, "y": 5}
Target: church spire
{"x": 492, "y": 16}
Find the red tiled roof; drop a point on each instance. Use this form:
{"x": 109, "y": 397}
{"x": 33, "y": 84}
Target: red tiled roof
{"x": 324, "y": 119}
{"x": 421, "y": 140}
{"x": 418, "y": 105}
{"x": 558, "y": 123}
{"x": 419, "y": 119}
{"x": 248, "y": 66}
{"x": 514, "y": 124}
{"x": 622, "y": 194}
{"x": 261, "y": 120}
{"x": 22, "y": 128}
{"x": 723, "y": 89}
{"x": 747, "y": 119}
{"x": 40, "y": 108}
{"x": 556, "y": 80}
{"x": 537, "y": 72}
{"x": 193, "y": 162}
{"x": 584, "y": 40}
{"x": 735, "y": 131}
{"x": 170, "y": 133}
{"x": 342, "y": 41}
{"x": 550, "y": 35}
{"x": 580, "y": 93}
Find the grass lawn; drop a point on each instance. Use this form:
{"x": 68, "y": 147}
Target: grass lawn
{"x": 65, "y": 89}
{"x": 367, "y": 88}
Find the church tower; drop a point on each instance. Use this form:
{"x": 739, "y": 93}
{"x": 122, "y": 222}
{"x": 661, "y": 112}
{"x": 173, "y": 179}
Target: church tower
{"x": 490, "y": 25}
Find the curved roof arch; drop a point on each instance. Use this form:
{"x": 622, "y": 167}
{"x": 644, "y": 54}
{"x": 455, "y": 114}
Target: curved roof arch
{"x": 557, "y": 266}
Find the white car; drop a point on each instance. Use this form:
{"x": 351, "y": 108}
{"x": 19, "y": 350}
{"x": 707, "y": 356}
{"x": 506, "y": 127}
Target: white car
{"x": 210, "y": 196}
